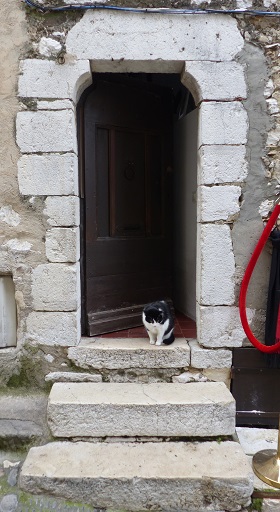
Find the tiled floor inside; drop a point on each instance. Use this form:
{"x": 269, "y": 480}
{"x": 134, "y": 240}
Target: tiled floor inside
{"x": 184, "y": 328}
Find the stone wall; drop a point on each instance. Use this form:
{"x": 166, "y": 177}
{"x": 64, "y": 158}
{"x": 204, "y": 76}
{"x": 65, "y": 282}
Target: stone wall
{"x": 229, "y": 63}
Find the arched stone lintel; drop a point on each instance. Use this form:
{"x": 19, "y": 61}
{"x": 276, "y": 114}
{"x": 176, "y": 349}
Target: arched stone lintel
{"x": 216, "y": 81}
{"x": 53, "y": 80}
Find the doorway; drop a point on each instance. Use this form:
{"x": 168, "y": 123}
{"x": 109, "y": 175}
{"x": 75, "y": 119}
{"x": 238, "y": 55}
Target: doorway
{"x": 133, "y": 162}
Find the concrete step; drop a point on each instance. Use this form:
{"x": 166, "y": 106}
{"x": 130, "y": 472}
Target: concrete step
{"x": 116, "y": 353}
{"x": 161, "y": 409}
{"x": 192, "y": 477}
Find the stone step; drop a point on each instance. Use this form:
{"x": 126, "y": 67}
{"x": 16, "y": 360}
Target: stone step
{"x": 23, "y": 417}
{"x": 124, "y": 353}
{"x": 191, "y": 477}
{"x": 157, "y": 409}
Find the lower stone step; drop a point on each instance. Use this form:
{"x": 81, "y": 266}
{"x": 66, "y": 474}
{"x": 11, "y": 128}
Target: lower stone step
{"x": 157, "y": 409}
{"x": 192, "y": 477}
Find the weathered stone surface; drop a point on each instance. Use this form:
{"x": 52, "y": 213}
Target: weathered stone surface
{"x": 55, "y": 105}
{"x": 49, "y": 47}
{"x": 163, "y": 409}
{"x": 188, "y": 477}
{"x": 145, "y": 37}
{"x": 56, "y": 328}
{"x": 62, "y": 211}
{"x": 253, "y": 440}
{"x": 222, "y": 123}
{"x": 52, "y": 79}
{"x": 127, "y": 353}
{"x": 214, "y": 80}
{"x": 73, "y": 377}
{"x": 9, "y": 503}
{"x": 23, "y": 416}
{"x": 207, "y": 358}
{"x": 220, "y": 326}
{"x": 221, "y": 164}
{"x": 46, "y": 131}
{"x": 49, "y": 174}
{"x": 218, "y": 375}
{"x": 218, "y": 202}
{"x": 63, "y": 245}
{"x": 270, "y": 505}
{"x": 215, "y": 258}
{"x": 55, "y": 287}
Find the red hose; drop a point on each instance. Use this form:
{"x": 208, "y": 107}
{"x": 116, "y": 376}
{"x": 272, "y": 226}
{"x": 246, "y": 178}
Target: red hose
{"x": 245, "y": 282}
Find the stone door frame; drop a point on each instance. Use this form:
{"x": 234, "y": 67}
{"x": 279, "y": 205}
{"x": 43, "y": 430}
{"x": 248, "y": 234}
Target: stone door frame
{"x": 204, "y": 51}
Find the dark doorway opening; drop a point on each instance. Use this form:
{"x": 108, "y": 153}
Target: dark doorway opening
{"x": 128, "y": 180}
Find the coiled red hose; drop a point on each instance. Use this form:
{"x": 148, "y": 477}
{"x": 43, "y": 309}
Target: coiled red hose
{"x": 245, "y": 282}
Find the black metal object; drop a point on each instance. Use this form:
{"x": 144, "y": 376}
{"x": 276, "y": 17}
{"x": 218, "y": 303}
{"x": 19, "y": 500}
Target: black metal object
{"x": 255, "y": 387}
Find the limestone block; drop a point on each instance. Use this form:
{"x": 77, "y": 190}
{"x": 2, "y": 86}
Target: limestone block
{"x": 221, "y": 164}
{"x": 207, "y": 358}
{"x": 56, "y": 287}
{"x": 9, "y": 216}
{"x": 105, "y": 35}
{"x": 52, "y": 79}
{"x": 222, "y": 123}
{"x": 49, "y": 47}
{"x": 216, "y": 265}
{"x": 122, "y": 353}
{"x": 23, "y": 416}
{"x": 63, "y": 245}
{"x": 61, "y": 329}
{"x": 188, "y": 477}
{"x": 220, "y": 326}
{"x": 219, "y": 202}
{"x": 48, "y": 174}
{"x": 62, "y": 211}
{"x": 214, "y": 80}
{"x": 55, "y": 105}
{"x": 73, "y": 377}
{"x": 254, "y": 440}
{"x": 46, "y": 131}
{"x": 218, "y": 375}
{"x": 154, "y": 409}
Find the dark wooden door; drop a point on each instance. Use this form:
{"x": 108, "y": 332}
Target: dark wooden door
{"x": 126, "y": 129}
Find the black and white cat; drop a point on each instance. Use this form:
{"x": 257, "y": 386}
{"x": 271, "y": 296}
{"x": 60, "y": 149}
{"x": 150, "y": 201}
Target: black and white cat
{"x": 159, "y": 323}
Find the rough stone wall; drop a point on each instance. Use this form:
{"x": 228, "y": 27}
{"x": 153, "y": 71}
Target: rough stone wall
{"x": 39, "y": 215}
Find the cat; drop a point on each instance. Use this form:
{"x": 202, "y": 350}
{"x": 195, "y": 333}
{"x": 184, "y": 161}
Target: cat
{"x": 159, "y": 323}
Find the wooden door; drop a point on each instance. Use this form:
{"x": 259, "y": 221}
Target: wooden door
{"x": 126, "y": 145}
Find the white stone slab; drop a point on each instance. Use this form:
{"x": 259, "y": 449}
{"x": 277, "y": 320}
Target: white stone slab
{"x": 221, "y": 164}
{"x": 253, "y": 440}
{"x": 222, "y": 123}
{"x": 46, "y": 131}
{"x": 52, "y": 79}
{"x": 105, "y": 35}
{"x": 203, "y": 477}
{"x": 63, "y": 245}
{"x": 161, "y": 409}
{"x": 62, "y": 211}
{"x": 129, "y": 353}
{"x": 58, "y": 328}
{"x": 214, "y": 80}
{"x": 220, "y": 326}
{"x": 49, "y": 174}
{"x": 56, "y": 287}
{"x": 216, "y": 265}
{"x": 207, "y": 358}
{"x": 219, "y": 202}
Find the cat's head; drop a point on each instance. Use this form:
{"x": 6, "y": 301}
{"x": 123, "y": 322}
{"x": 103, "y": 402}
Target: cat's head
{"x": 153, "y": 315}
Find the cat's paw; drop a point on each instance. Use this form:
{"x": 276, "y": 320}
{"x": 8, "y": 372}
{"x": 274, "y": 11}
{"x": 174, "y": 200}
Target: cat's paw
{"x": 152, "y": 342}
{"x": 158, "y": 343}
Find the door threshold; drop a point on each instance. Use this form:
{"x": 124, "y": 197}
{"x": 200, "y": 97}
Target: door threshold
{"x": 185, "y": 327}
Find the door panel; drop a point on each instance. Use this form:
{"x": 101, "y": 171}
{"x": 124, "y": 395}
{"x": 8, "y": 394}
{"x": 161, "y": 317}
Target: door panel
{"x": 127, "y": 247}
